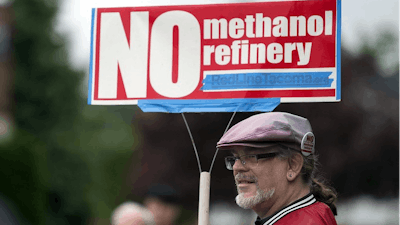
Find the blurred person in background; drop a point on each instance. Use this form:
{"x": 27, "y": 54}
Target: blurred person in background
{"x": 274, "y": 166}
{"x": 163, "y": 202}
{"x": 131, "y": 213}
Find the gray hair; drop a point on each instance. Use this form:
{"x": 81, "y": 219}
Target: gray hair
{"x": 132, "y": 207}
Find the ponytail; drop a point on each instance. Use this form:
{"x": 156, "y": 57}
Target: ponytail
{"x": 324, "y": 193}
{"x": 318, "y": 185}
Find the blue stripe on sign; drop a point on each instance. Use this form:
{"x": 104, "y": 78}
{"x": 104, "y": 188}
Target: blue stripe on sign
{"x": 266, "y": 80}
{"x": 338, "y": 50}
{"x": 212, "y": 105}
{"x": 91, "y": 60}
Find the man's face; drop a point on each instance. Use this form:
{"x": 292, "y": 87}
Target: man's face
{"x": 257, "y": 182}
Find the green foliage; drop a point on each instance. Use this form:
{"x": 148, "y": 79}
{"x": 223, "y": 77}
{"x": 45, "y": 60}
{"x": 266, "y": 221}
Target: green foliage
{"x": 379, "y": 46}
{"x": 22, "y": 184}
{"x": 45, "y": 85}
{"x": 66, "y": 160}
{"x": 107, "y": 146}
{"x": 384, "y": 50}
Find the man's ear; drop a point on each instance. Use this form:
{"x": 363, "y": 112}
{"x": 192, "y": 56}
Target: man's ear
{"x": 295, "y": 163}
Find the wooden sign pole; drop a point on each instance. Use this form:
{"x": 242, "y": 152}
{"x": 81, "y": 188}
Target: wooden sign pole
{"x": 204, "y": 199}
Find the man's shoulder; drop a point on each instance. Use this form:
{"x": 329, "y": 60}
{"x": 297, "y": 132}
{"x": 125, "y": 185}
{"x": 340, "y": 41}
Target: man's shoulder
{"x": 315, "y": 214}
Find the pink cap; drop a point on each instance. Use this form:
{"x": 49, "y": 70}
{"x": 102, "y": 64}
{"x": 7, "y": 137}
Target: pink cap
{"x": 267, "y": 129}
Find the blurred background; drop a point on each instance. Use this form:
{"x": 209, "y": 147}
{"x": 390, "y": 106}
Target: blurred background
{"x": 64, "y": 162}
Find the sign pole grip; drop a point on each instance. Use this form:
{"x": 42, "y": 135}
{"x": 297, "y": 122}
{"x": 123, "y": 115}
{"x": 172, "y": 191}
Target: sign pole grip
{"x": 204, "y": 199}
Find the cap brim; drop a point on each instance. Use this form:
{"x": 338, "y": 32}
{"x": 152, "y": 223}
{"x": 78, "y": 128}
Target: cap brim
{"x": 228, "y": 146}
{"x": 251, "y": 144}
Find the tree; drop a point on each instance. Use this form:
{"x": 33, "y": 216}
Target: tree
{"x": 62, "y": 166}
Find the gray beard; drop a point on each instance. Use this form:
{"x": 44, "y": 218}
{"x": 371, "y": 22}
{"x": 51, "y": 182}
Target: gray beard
{"x": 250, "y": 202}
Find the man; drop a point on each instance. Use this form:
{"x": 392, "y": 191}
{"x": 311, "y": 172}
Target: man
{"x": 131, "y": 213}
{"x": 273, "y": 164}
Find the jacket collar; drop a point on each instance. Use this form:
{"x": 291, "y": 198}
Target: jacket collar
{"x": 298, "y": 204}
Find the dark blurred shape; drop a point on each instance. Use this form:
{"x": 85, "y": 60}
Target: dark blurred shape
{"x": 164, "y": 192}
{"x": 5, "y": 34}
{"x": 6, "y": 72}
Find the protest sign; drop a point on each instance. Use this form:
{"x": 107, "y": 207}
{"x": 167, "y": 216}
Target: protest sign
{"x": 216, "y": 58}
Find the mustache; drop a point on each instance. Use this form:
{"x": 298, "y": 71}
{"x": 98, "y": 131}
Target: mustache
{"x": 241, "y": 176}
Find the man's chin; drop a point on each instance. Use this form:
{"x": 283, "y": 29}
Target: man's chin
{"x": 245, "y": 201}
{"x": 248, "y": 200}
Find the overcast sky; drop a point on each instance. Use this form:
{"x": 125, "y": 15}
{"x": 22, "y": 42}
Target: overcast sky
{"x": 360, "y": 18}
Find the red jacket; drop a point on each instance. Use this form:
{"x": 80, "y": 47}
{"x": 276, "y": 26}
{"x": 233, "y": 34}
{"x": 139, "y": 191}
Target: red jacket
{"x": 305, "y": 211}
